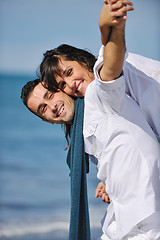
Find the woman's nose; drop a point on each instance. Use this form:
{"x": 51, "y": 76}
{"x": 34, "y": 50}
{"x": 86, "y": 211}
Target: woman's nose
{"x": 71, "y": 83}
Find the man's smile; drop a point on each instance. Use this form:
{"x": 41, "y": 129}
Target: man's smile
{"x": 60, "y": 110}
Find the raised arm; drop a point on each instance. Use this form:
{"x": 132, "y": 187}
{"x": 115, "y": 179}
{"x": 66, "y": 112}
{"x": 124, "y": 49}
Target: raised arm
{"x": 114, "y": 54}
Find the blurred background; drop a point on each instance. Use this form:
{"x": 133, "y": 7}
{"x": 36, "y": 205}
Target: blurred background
{"x": 34, "y": 176}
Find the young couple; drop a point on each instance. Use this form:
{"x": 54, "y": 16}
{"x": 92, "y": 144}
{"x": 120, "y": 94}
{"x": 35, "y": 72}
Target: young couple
{"x": 120, "y": 126}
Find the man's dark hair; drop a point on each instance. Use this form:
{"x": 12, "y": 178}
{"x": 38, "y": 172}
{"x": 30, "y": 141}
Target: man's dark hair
{"x": 27, "y": 89}
{"x": 49, "y": 68}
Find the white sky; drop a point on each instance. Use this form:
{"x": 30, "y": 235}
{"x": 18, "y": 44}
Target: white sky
{"x": 29, "y": 28}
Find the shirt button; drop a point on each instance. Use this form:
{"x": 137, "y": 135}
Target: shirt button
{"x": 90, "y": 131}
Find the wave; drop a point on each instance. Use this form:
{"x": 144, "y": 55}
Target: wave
{"x": 51, "y": 205}
{"x": 24, "y": 229}
{"x": 29, "y": 227}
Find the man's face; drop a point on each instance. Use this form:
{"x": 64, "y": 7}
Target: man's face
{"x": 53, "y": 107}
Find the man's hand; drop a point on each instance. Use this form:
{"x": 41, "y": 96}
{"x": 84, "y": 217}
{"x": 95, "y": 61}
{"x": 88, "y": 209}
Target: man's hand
{"x": 101, "y": 192}
{"x": 113, "y": 14}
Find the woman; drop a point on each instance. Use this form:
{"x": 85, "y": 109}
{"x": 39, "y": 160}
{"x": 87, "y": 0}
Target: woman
{"x": 71, "y": 69}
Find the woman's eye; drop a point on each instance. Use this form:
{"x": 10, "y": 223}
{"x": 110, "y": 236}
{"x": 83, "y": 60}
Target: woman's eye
{"x": 50, "y": 95}
{"x": 61, "y": 85}
{"x": 69, "y": 72}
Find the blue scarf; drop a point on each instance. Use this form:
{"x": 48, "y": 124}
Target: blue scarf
{"x": 78, "y": 163}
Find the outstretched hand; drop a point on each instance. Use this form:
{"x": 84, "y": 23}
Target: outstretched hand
{"x": 114, "y": 11}
{"x": 101, "y": 192}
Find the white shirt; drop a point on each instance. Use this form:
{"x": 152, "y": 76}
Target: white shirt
{"x": 127, "y": 152}
{"x": 142, "y": 77}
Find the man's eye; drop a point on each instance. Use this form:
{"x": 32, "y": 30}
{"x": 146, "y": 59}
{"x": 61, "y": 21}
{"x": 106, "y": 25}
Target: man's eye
{"x": 44, "y": 108}
{"x": 62, "y": 84}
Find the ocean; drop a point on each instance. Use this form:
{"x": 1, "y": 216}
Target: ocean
{"x": 34, "y": 176}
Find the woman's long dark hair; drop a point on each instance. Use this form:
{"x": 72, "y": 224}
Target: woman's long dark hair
{"x": 49, "y": 67}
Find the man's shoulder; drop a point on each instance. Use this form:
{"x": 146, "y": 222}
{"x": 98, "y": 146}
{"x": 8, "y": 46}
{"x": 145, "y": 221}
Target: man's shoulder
{"x": 90, "y": 90}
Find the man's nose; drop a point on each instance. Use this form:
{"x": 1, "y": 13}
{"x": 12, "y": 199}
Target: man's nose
{"x": 53, "y": 107}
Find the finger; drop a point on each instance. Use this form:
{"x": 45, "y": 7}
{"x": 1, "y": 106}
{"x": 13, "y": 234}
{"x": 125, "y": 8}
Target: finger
{"x": 97, "y": 192}
{"x": 116, "y": 6}
{"x": 127, "y": 8}
{"x": 107, "y": 199}
{"x": 103, "y": 196}
{"x": 112, "y": 1}
{"x": 101, "y": 193}
{"x": 124, "y": 17}
{"x": 116, "y": 21}
{"x": 121, "y": 12}
{"x": 126, "y": 2}
{"x": 96, "y": 195}
{"x": 105, "y": 1}
{"x": 119, "y": 5}
{"x": 100, "y": 185}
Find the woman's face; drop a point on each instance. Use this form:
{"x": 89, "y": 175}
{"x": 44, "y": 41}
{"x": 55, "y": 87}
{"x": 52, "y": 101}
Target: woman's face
{"x": 74, "y": 78}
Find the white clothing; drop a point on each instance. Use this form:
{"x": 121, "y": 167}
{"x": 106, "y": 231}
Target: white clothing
{"x": 143, "y": 84}
{"x": 118, "y": 136}
{"x": 146, "y": 65}
{"x": 142, "y": 77}
{"x": 147, "y": 229}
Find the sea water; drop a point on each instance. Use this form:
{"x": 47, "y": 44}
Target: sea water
{"x": 34, "y": 176}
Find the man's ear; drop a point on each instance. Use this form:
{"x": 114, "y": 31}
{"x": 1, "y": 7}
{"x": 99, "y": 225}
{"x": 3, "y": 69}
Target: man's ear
{"x": 47, "y": 121}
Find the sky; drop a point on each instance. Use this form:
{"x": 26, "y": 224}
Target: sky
{"x": 30, "y": 28}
